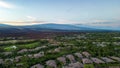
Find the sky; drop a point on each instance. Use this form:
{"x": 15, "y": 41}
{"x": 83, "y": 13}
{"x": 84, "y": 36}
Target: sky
{"x": 89, "y": 12}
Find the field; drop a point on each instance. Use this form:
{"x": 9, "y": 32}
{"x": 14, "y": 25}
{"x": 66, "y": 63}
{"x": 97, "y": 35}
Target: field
{"x": 61, "y": 50}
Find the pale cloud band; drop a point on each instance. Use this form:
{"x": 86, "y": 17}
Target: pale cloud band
{"x": 31, "y": 18}
{"x": 4, "y": 4}
{"x": 20, "y": 23}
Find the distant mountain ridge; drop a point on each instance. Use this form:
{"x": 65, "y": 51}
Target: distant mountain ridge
{"x": 60, "y": 27}
{"x": 4, "y": 25}
{"x": 47, "y": 27}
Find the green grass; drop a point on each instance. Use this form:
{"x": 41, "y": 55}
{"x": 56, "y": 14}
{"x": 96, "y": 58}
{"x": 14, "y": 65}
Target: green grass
{"x": 31, "y": 45}
{"x": 25, "y": 46}
{"x": 9, "y": 48}
{"x": 89, "y": 66}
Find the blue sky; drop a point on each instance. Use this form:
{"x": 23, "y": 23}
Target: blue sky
{"x": 92, "y": 12}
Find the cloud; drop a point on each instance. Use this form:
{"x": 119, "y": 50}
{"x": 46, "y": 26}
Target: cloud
{"x": 99, "y": 21}
{"x": 1, "y": 19}
{"x": 112, "y": 24}
{"x": 65, "y": 21}
{"x": 5, "y": 5}
{"x": 31, "y": 18}
{"x": 105, "y": 23}
{"x": 19, "y": 23}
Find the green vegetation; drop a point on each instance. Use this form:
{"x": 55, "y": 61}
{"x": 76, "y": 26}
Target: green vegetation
{"x": 89, "y": 66}
{"x": 32, "y": 51}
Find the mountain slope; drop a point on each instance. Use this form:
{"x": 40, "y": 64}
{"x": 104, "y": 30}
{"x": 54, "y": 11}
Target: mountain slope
{"x": 46, "y": 27}
{"x": 58, "y": 27}
{"x": 4, "y": 25}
